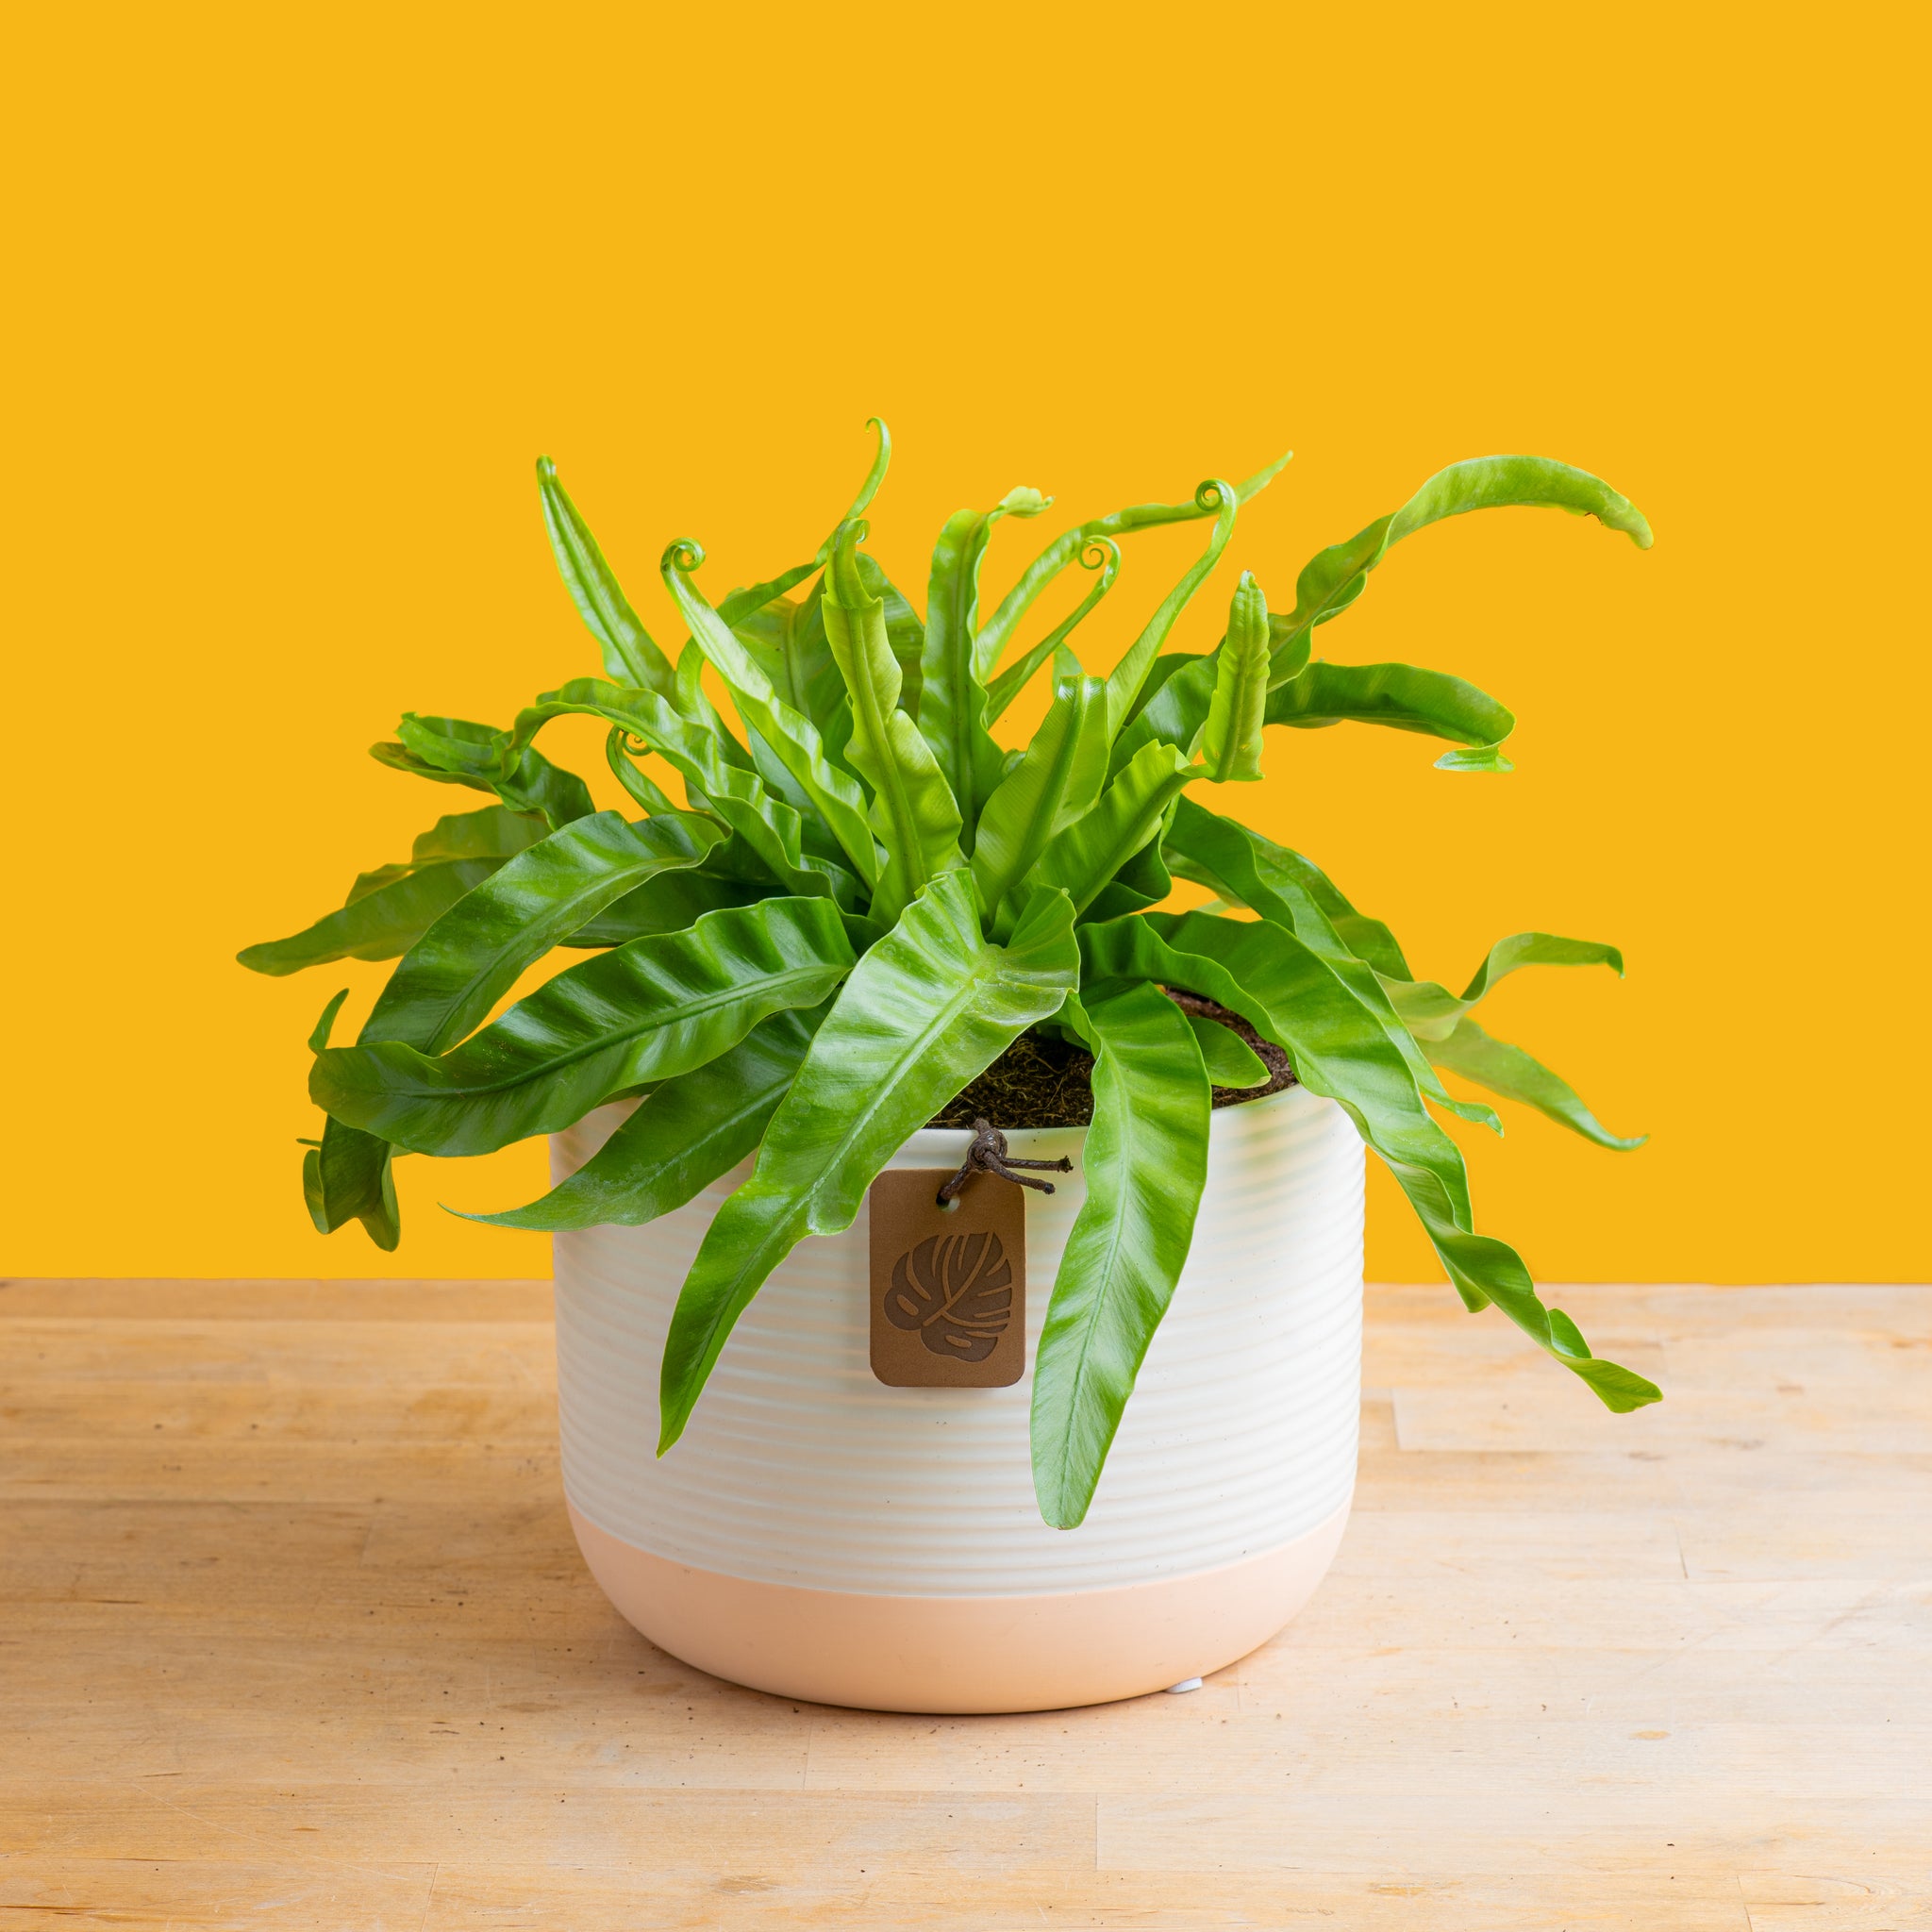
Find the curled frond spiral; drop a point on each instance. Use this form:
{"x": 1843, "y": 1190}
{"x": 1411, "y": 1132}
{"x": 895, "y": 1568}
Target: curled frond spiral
{"x": 1101, "y": 554}
{"x": 682, "y": 553}
{"x": 1211, "y": 494}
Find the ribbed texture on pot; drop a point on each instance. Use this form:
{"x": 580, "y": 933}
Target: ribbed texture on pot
{"x": 799, "y": 1468}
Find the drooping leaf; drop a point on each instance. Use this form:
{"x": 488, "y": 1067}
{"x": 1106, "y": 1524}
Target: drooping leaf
{"x": 1000, "y": 627}
{"x": 473, "y": 954}
{"x": 1124, "y": 683}
{"x": 347, "y": 1178}
{"x": 1229, "y": 1059}
{"x": 1405, "y": 698}
{"x": 495, "y": 832}
{"x": 1231, "y": 737}
{"x": 791, "y": 737}
{"x": 631, "y": 655}
{"x": 913, "y": 811}
{"x": 1145, "y": 1162}
{"x": 1128, "y": 814}
{"x": 683, "y": 1136}
{"x": 931, "y": 1006}
{"x": 1057, "y": 780}
{"x": 456, "y": 751}
{"x": 379, "y": 924}
{"x": 1101, "y": 553}
{"x": 1258, "y": 873}
{"x": 952, "y": 689}
{"x": 1430, "y": 1011}
{"x": 764, "y": 826}
{"x": 1466, "y": 1049}
{"x": 1339, "y": 1047}
{"x": 637, "y": 1014}
{"x": 1335, "y": 577}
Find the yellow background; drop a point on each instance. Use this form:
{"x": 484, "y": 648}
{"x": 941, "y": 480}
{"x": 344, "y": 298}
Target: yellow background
{"x": 298, "y": 295}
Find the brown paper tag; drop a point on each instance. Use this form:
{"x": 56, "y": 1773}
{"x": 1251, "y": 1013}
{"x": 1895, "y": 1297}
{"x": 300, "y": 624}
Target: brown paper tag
{"x": 948, "y": 1284}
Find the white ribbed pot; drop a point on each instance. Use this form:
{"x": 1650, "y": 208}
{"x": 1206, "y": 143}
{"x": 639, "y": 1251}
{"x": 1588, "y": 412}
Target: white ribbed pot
{"x": 821, "y": 1535}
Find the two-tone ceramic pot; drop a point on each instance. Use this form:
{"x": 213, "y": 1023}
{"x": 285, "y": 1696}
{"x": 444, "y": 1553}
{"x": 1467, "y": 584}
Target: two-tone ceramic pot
{"x": 818, "y": 1535}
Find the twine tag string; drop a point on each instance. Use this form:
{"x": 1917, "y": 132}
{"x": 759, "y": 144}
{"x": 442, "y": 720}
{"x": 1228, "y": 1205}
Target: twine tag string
{"x": 988, "y": 1155}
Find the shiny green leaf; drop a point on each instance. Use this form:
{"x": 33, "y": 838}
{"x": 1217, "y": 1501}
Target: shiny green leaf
{"x": 379, "y": 924}
{"x": 1507, "y": 1070}
{"x": 791, "y": 737}
{"x": 1334, "y": 578}
{"x": 1255, "y": 872}
{"x": 454, "y": 751}
{"x": 1100, "y": 553}
{"x": 931, "y": 1006}
{"x": 473, "y": 954}
{"x": 1146, "y": 1163}
{"x": 1430, "y": 1011}
{"x": 1084, "y": 858}
{"x": 1124, "y": 684}
{"x": 764, "y": 828}
{"x": 1000, "y": 627}
{"x": 1339, "y": 1047}
{"x": 952, "y": 689}
{"x": 630, "y": 654}
{"x": 1056, "y": 781}
{"x": 1405, "y": 698}
{"x": 1230, "y": 1062}
{"x": 682, "y": 1136}
{"x": 638, "y": 1014}
{"x": 347, "y": 1178}
{"x": 1231, "y": 737}
{"x": 915, "y": 814}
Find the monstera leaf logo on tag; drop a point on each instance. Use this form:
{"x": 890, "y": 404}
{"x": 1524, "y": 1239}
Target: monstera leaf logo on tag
{"x": 956, "y": 1291}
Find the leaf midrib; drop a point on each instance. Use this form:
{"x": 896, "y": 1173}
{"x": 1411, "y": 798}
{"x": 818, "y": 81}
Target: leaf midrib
{"x": 692, "y": 1010}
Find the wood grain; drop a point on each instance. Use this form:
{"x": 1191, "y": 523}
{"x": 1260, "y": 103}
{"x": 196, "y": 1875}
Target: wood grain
{"x": 293, "y": 1634}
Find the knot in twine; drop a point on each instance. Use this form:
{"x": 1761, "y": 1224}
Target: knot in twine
{"x": 988, "y": 1155}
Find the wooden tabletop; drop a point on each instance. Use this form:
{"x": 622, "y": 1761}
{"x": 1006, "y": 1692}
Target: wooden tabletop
{"x": 293, "y": 1634}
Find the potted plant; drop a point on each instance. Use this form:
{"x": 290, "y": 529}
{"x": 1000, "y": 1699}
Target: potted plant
{"x": 879, "y": 969}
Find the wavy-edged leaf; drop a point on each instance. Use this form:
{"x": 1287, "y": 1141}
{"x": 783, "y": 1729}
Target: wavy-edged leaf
{"x": 457, "y": 751}
{"x": 1255, "y": 872}
{"x": 473, "y": 954}
{"x": 1467, "y": 1050}
{"x": 347, "y": 1178}
{"x": 667, "y": 903}
{"x": 631, "y": 655}
{"x": 789, "y": 641}
{"x": 1083, "y": 859}
{"x": 1101, "y": 553}
{"x": 683, "y": 1136}
{"x": 1057, "y": 780}
{"x": 1405, "y": 698}
{"x": 952, "y": 689}
{"x": 764, "y": 828}
{"x": 1231, "y": 737}
{"x": 1146, "y": 1163}
{"x": 1124, "y": 683}
{"x": 1339, "y": 1047}
{"x": 1335, "y": 577}
{"x": 999, "y": 628}
{"x": 915, "y": 814}
{"x": 639, "y": 1013}
{"x": 931, "y": 1006}
{"x": 379, "y": 924}
{"x": 791, "y": 737}
{"x": 495, "y": 832}
{"x": 1430, "y": 1011}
